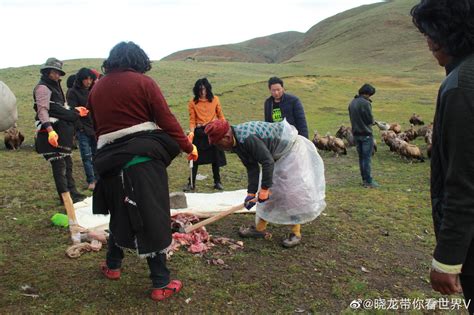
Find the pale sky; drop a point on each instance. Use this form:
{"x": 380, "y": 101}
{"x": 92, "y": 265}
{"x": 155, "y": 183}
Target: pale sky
{"x": 33, "y": 30}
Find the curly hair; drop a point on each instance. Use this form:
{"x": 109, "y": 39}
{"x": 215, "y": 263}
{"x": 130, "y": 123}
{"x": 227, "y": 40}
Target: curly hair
{"x": 197, "y": 89}
{"x": 449, "y": 23}
{"x": 127, "y": 55}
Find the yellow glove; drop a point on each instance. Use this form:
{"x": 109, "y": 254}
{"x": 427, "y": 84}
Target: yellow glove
{"x": 194, "y": 154}
{"x": 191, "y": 136}
{"x": 53, "y": 138}
{"x": 82, "y": 111}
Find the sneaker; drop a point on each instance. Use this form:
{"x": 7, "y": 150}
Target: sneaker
{"x": 291, "y": 241}
{"x": 218, "y": 186}
{"x": 161, "y": 294}
{"x": 253, "y": 233}
{"x": 111, "y": 274}
{"x": 188, "y": 188}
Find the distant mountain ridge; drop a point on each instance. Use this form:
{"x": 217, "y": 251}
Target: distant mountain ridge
{"x": 266, "y": 49}
{"x": 379, "y": 33}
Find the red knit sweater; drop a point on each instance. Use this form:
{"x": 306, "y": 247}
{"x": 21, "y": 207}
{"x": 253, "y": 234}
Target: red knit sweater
{"x": 125, "y": 98}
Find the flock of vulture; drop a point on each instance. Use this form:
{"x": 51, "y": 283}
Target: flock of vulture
{"x": 391, "y": 134}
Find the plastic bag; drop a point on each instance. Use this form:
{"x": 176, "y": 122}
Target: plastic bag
{"x": 8, "y": 110}
{"x": 299, "y": 186}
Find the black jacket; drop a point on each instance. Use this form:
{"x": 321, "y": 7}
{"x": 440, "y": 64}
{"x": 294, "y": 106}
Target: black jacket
{"x": 452, "y": 167}
{"x": 291, "y": 109}
{"x": 360, "y": 112}
{"x": 77, "y": 96}
{"x": 64, "y": 126}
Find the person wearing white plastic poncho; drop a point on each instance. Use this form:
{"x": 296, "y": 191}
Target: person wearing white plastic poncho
{"x": 292, "y": 186}
{"x": 8, "y": 110}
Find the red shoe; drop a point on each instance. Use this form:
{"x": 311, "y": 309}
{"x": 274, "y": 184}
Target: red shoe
{"x": 161, "y": 294}
{"x": 111, "y": 274}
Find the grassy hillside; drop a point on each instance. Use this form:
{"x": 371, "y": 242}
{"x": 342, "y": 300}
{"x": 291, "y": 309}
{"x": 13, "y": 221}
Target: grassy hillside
{"x": 377, "y": 35}
{"x": 267, "y": 49}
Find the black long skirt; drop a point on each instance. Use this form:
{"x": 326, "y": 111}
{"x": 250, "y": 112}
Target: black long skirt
{"x": 208, "y": 153}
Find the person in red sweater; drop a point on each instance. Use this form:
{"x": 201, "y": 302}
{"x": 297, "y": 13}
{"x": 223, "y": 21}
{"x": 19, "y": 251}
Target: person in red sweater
{"x": 204, "y": 108}
{"x": 137, "y": 138}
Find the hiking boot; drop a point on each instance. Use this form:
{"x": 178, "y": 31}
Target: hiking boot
{"x": 188, "y": 188}
{"x": 163, "y": 293}
{"x": 218, "y": 186}
{"x": 252, "y": 232}
{"x": 291, "y": 241}
{"x": 111, "y": 274}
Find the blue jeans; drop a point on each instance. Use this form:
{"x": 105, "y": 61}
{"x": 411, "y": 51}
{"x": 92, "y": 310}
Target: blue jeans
{"x": 88, "y": 148}
{"x": 365, "y": 146}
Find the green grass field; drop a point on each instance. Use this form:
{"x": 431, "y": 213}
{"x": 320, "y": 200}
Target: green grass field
{"x": 387, "y": 231}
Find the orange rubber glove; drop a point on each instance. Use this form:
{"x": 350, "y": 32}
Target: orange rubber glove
{"x": 191, "y": 136}
{"x": 194, "y": 154}
{"x": 53, "y": 138}
{"x": 263, "y": 194}
{"x": 82, "y": 111}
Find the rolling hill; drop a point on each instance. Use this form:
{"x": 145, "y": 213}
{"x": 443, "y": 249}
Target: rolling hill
{"x": 376, "y": 34}
{"x": 267, "y": 49}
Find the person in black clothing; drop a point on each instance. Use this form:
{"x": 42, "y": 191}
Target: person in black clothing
{"x": 137, "y": 138}
{"x": 54, "y": 135}
{"x": 85, "y": 135}
{"x": 70, "y": 81}
{"x": 449, "y": 30}
{"x": 281, "y": 105}
{"x": 360, "y": 112}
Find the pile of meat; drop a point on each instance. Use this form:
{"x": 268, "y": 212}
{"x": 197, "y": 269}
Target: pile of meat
{"x": 198, "y": 241}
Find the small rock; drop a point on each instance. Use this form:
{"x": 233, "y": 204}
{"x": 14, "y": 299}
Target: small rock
{"x": 187, "y": 300}
{"x": 299, "y": 310}
{"x": 364, "y": 269}
{"x": 178, "y": 200}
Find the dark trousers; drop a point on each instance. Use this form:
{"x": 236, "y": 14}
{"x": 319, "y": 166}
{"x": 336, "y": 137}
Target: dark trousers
{"x": 88, "y": 148}
{"x": 159, "y": 273}
{"x": 62, "y": 174}
{"x": 467, "y": 283}
{"x": 215, "y": 173}
{"x": 365, "y": 145}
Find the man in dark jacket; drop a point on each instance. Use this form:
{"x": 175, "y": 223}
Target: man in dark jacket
{"x": 281, "y": 105}
{"x": 77, "y": 96}
{"x": 449, "y": 31}
{"x": 360, "y": 112}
